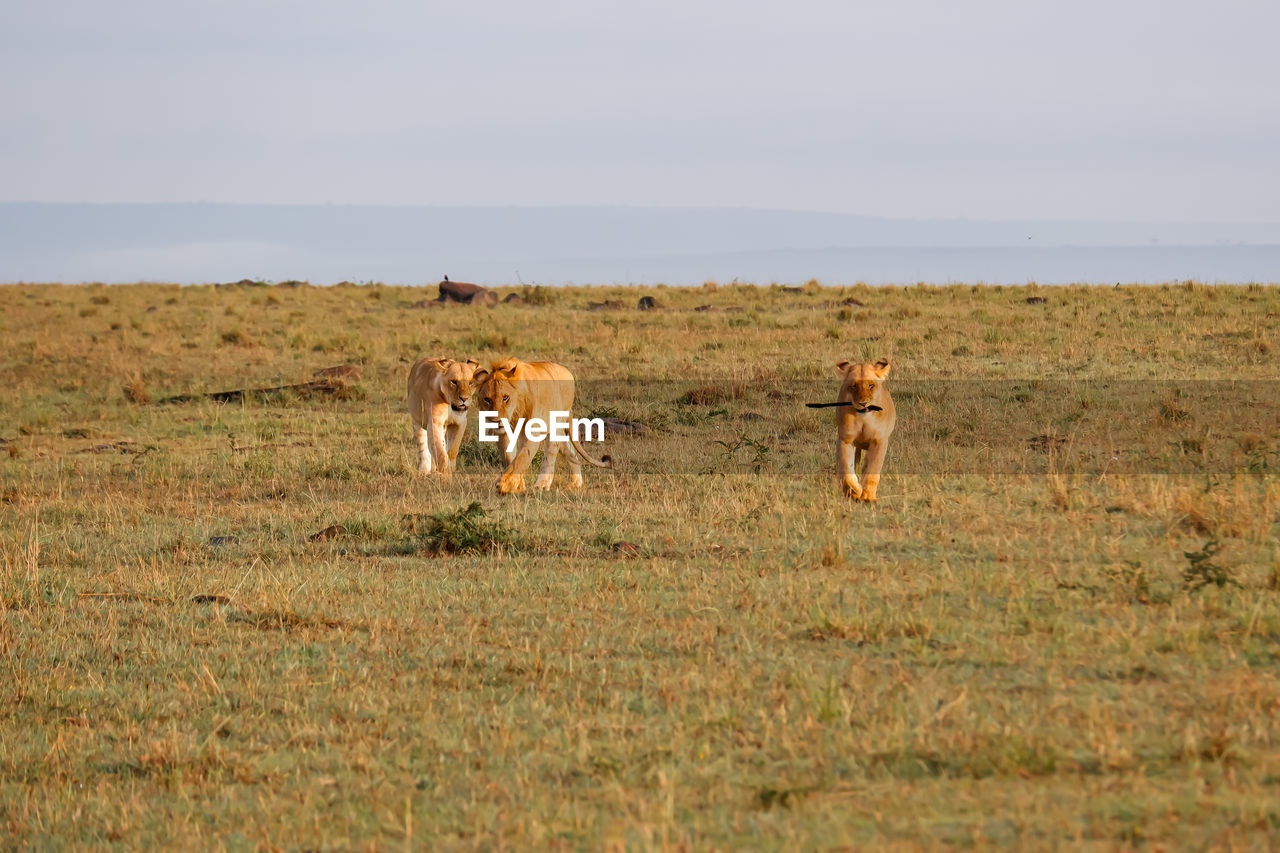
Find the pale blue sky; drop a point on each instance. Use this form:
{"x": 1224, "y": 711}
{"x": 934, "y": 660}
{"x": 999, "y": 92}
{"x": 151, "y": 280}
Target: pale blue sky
{"x": 985, "y": 109}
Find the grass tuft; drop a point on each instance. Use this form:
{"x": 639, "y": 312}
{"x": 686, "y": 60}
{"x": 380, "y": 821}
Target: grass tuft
{"x": 462, "y": 531}
{"x": 1202, "y": 571}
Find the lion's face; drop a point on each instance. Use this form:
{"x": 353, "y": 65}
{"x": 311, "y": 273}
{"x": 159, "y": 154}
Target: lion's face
{"x": 864, "y": 384}
{"x": 497, "y": 393}
{"x": 457, "y": 383}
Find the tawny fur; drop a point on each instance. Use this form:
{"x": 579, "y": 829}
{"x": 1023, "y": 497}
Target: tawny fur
{"x": 517, "y": 389}
{"x": 863, "y": 428}
{"x": 439, "y": 396}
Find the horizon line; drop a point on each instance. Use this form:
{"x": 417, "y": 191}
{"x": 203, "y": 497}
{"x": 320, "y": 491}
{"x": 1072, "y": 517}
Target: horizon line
{"x": 630, "y": 207}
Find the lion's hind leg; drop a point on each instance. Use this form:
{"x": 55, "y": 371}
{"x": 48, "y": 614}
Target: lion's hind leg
{"x": 547, "y": 473}
{"x": 424, "y": 448}
{"x": 575, "y": 465}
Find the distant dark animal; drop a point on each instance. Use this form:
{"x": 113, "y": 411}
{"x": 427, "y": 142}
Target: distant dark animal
{"x": 647, "y": 303}
{"x": 466, "y": 293}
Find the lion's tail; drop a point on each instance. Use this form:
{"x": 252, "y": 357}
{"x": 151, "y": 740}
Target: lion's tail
{"x": 605, "y": 461}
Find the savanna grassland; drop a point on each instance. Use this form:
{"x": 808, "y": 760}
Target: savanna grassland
{"x": 250, "y": 624}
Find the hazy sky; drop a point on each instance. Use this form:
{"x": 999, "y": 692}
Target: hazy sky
{"x": 982, "y": 109}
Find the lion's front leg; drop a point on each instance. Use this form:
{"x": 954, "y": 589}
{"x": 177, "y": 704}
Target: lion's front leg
{"x": 455, "y": 432}
{"x": 512, "y": 479}
{"x": 439, "y": 448}
{"x": 845, "y": 462}
{"x": 875, "y": 461}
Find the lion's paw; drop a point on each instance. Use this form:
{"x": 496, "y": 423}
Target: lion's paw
{"x": 508, "y": 485}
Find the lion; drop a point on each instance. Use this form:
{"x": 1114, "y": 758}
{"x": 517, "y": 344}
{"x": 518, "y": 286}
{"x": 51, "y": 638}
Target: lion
{"x": 439, "y": 395}
{"x": 864, "y": 424}
{"x": 517, "y": 389}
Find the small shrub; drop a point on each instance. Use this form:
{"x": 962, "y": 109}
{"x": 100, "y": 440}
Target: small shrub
{"x": 481, "y": 455}
{"x": 710, "y": 394}
{"x": 831, "y": 555}
{"x": 482, "y": 341}
{"x": 463, "y": 531}
{"x": 1132, "y": 580}
{"x": 1201, "y": 571}
{"x": 238, "y": 337}
{"x": 1171, "y": 411}
{"x": 768, "y": 797}
{"x": 606, "y": 532}
{"x": 363, "y": 528}
{"x": 537, "y": 294}
{"x": 759, "y": 453}
{"x": 136, "y": 392}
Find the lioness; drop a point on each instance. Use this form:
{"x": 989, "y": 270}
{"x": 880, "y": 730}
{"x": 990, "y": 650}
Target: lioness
{"x": 439, "y": 394}
{"x": 864, "y": 424}
{"x": 517, "y": 389}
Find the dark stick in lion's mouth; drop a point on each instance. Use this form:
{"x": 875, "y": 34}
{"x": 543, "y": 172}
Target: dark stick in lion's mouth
{"x": 845, "y": 403}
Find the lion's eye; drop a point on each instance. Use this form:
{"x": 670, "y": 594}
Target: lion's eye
{"x": 506, "y": 398}
{"x": 455, "y": 383}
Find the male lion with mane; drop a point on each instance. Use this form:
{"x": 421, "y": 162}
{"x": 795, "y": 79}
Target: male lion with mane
{"x": 864, "y": 424}
{"x": 518, "y": 389}
{"x": 439, "y": 395}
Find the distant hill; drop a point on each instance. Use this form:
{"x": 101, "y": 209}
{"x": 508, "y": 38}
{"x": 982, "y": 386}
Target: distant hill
{"x": 194, "y": 243}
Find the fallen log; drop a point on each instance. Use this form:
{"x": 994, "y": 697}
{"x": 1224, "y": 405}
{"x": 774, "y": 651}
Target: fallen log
{"x": 333, "y": 387}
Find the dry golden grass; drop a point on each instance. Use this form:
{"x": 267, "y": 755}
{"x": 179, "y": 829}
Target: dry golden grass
{"x": 1059, "y": 627}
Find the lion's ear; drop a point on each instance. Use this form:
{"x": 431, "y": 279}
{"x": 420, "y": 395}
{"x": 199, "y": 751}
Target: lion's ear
{"x": 882, "y": 368}
{"x": 445, "y": 363}
{"x": 472, "y": 361}
{"x": 480, "y": 375}
{"x": 841, "y": 367}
